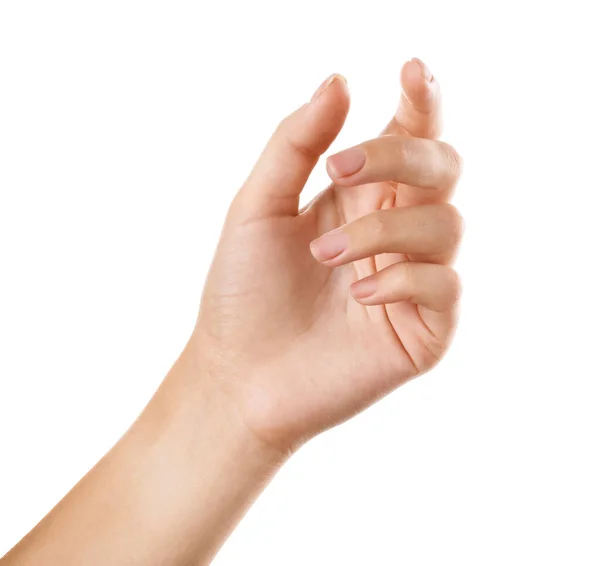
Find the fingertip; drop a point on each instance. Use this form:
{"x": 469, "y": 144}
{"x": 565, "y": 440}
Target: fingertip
{"x": 334, "y": 173}
{"x": 363, "y": 290}
{"x": 319, "y": 121}
{"x": 418, "y": 83}
{"x": 421, "y": 68}
{"x": 330, "y": 246}
{"x": 346, "y": 163}
{"x": 334, "y": 85}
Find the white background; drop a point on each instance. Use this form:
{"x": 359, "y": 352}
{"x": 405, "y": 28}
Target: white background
{"x": 125, "y": 129}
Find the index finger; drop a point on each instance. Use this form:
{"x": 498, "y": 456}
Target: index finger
{"x": 419, "y": 112}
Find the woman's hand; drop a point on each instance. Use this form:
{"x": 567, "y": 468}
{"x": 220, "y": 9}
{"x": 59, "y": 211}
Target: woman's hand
{"x": 310, "y": 316}
{"x": 299, "y": 329}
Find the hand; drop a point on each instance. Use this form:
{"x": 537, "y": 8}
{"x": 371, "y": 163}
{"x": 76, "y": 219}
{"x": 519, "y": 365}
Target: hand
{"x": 309, "y": 316}
{"x": 299, "y": 328}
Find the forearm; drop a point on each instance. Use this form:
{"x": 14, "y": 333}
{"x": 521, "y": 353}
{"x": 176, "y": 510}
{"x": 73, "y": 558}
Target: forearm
{"x": 168, "y": 493}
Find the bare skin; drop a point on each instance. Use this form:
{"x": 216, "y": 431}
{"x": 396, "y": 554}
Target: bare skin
{"x": 264, "y": 277}
{"x": 299, "y": 329}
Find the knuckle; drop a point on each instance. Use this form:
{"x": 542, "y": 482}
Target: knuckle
{"x": 402, "y": 152}
{"x": 288, "y": 133}
{"x": 451, "y": 223}
{"x": 284, "y": 125}
{"x": 377, "y": 225}
{"x": 282, "y": 131}
{"x": 406, "y": 275}
{"x": 453, "y": 163}
{"x": 453, "y": 286}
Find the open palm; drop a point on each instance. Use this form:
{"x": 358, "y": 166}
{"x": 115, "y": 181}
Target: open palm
{"x": 305, "y": 344}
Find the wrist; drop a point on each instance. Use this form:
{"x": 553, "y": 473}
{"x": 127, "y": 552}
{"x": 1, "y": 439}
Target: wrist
{"x": 211, "y": 466}
{"x": 250, "y": 388}
{"x": 192, "y": 398}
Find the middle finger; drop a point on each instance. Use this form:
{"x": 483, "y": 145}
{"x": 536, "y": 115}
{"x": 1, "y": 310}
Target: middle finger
{"x": 432, "y": 230}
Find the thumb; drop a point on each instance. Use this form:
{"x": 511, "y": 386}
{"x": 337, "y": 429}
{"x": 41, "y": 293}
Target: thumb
{"x": 274, "y": 185}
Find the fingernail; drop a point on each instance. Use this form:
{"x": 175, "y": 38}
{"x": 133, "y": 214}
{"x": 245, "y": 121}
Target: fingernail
{"x": 329, "y": 245}
{"x": 363, "y": 288}
{"x": 326, "y": 84}
{"x": 347, "y": 162}
{"x": 425, "y": 72}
